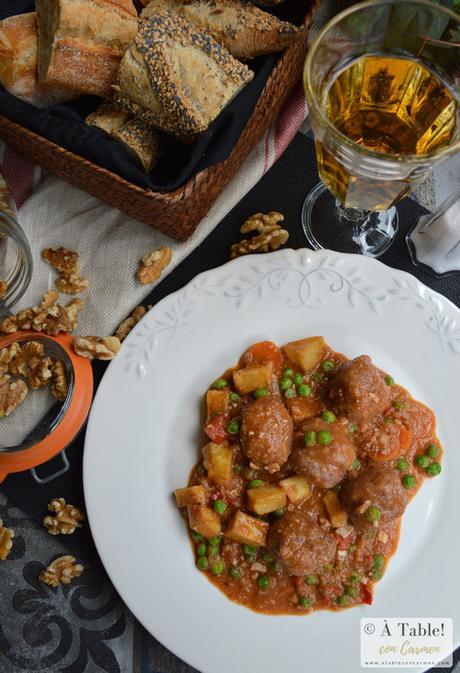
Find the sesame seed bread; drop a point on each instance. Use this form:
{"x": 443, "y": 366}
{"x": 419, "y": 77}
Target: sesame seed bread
{"x": 177, "y": 78}
{"x": 245, "y": 30}
{"x": 18, "y": 63}
{"x": 142, "y": 141}
{"x": 81, "y": 42}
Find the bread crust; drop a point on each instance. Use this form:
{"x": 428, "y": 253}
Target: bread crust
{"x": 176, "y": 78}
{"x": 81, "y": 42}
{"x": 245, "y": 30}
{"x": 18, "y": 63}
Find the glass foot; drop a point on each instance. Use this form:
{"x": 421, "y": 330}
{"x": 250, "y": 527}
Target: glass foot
{"x": 327, "y": 224}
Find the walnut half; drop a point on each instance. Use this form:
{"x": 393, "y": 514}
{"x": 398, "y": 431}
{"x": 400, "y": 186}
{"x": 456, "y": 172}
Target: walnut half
{"x": 270, "y": 235}
{"x": 6, "y": 541}
{"x": 65, "y": 520}
{"x": 66, "y": 264}
{"x": 152, "y": 265}
{"x": 61, "y": 571}
{"x": 99, "y": 348}
{"x": 12, "y": 393}
{"x": 3, "y": 288}
{"x": 127, "y": 325}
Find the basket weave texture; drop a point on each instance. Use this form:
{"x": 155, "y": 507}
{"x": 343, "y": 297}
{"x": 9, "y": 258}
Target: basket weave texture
{"x": 176, "y": 213}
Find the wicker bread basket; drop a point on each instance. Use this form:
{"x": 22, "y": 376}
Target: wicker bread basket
{"x": 174, "y": 213}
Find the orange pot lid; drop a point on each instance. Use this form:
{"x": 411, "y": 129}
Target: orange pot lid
{"x": 61, "y": 429}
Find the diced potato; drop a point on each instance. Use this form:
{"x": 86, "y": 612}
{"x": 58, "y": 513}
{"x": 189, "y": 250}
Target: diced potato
{"x": 192, "y": 495}
{"x": 266, "y": 499}
{"x": 296, "y": 488}
{"x": 337, "y": 515}
{"x": 218, "y": 462}
{"x": 255, "y": 376}
{"x": 246, "y": 529}
{"x": 302, "y": 408}
{"x": 306, "y": 353}
{"x": 204, "y": 520}
{"x": 217, "y": 402}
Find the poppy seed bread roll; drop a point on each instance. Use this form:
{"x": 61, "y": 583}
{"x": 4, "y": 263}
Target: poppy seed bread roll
{"x": 176, "y": 78}
{"x": 81, "y": 42}
{"x": 245, "y": 30}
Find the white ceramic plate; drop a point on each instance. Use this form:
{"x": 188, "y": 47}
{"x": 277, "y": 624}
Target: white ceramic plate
{"x": 144, "y": 435}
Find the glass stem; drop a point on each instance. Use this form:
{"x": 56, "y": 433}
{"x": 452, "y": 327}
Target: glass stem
{"x": 353, "y": 217}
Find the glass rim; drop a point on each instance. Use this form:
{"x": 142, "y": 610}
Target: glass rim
{"x": 316, "y": 107}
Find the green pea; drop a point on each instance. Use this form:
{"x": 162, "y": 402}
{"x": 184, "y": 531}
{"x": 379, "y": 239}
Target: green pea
{"x": 389, "y": 420}
{"x": 352, "y": 427}
{"x": 278, "y": 513}
{"x": 343, "y": 600}
{"x": 379, "y": 561}
{"x": 196, "y": 536}
{"x": 356, "y": 464}
{"x": 202, "y": 563}
{"x": 329, "y": 416}
{"x": 213, "y": 552}
{"x": 275, "y": 567}
{"x": 398, "y": 405}
{"x": 237, "y": 469}
{"x": 285, "y": 384}
{"x": 250, "y": 549}
{"x": 218, "y": 568}
{"x": 401, "y": 464}
{"x": 311, "y": 580}
{"x": 432, "y": 451}
{"x": 289, "y": 393}
{"x": 248, "y": 473}
{"x": 201, "y": 549}
{"x": 351, "y": 591}
{"x": 376, "y": 575}
{"x": 219, "y": 506}
{"x": 288, "y": 373}
{"x": 355, "y": 578}
{"x": 233, "y": 426}
{"x": 267, "y": 557}
{"x": 317, "y": 376}
{"x": 304, "y": 602}
{"x": 261, "y": 392}
{"x": 409, "y": 481}
{"x": 327, "y": 366}
{"x": 214, "y": 541}
{"x": 310, "y": 438}
{"x": 352, "y": 548}
{"x": 389, "y": 380}
{"x": 234, "y": 397}
{"x": 422, "y": 461}
{"x": 304, "y": 390}
{"x": 337, "y": 488}
{"x": 263, "y": 582}
{"x": 372, "y": 514}
{"x": 236, "y": 572}
{"x": 433, "y": 470}
{"x": 250, "y": 558}
{"x": 328, "y": 566}
{"x": 256, "y": 483}
{"x": 324, "y": 437}
{"x": 220, "y": 384}
{"x": 298, "y": 379}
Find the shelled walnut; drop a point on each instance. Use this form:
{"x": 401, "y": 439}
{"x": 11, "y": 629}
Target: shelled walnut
{"x": 99, "y": 348}
{"x": 59, "y": 385}
{"x": 61, "y": 571}
{"x": 48, "y": 316}
{"x": 269, "y": 236}
{"x": 65, "y": 520}
{"x": 12, "y": 393}
{"x": 127, "y": 325}
{"x": 3, "y": 288}
{"x": 7, "y": 354}
{"x": 6, "y": 541}
{"x": 153, "y": 264}
{"x": 66, "y": 263}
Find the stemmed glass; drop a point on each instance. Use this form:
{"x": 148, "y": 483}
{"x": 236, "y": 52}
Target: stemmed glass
{"x": 380, "y": 81}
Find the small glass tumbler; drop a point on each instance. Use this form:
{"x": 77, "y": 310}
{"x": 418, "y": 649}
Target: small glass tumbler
{"x": 15, "y": 255}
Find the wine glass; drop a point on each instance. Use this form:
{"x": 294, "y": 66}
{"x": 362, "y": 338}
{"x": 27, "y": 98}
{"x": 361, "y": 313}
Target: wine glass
{"x": 380, "y": 83}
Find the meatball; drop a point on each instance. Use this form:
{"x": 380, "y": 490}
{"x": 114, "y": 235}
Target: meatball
{"x": 375, "y": 486}
{"x": 359, "y": 390}
{"x": 300, "y": 544}
{"x": 266, "y": 433}
{"x": 327, "y": 465}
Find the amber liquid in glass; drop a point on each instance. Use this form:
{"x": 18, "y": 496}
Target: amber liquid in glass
{"x": 390, "y": 105}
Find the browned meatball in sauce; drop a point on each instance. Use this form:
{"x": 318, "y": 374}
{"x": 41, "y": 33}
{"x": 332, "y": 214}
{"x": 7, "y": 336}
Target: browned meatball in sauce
{"x": 327, "y": 465}
{"x": 359, "y": 390}
{"x": 266, "y": 433}
{"x": 379, "y": 487}
{"x": 300, "y": 544}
